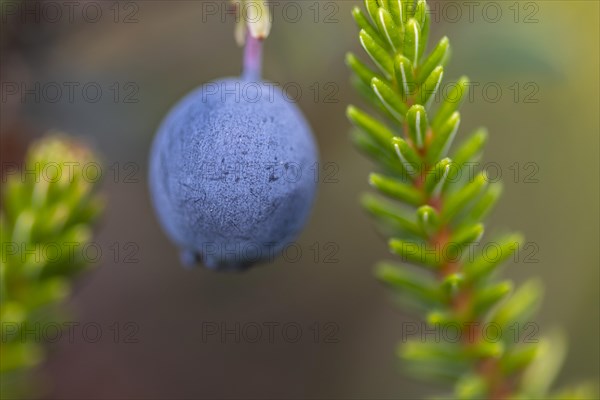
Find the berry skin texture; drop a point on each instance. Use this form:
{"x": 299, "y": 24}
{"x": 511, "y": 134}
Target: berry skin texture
{"x": 232, "y": 174}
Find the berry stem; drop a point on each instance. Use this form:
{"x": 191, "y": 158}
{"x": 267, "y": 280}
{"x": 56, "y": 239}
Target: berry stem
{"x": 252, "y": 58}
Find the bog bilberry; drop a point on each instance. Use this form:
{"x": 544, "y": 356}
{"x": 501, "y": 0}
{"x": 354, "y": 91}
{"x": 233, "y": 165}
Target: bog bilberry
{"x": 230, "y": 170}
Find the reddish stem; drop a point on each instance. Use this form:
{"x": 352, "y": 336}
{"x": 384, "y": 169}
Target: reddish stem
{"x": 252, "y": 59}
{"x": 501, "y": 387}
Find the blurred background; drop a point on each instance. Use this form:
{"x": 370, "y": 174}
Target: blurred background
{"x": 120, "y": 66}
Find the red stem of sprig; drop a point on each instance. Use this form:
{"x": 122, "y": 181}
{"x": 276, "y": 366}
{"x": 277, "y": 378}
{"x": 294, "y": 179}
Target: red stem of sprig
{"x": 501, "y": 387}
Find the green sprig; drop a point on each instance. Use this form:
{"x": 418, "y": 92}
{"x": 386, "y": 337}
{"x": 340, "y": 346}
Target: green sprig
{"x": 48, "y": 209}
{"x": 432, "y": 219}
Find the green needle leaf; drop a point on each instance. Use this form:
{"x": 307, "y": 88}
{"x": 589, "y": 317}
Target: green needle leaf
{"x": 440, "y": 319}
{"x": 546, "y": 365}
{"x": 452, "y": 102}
{"x": 485, "y": 203}
{"x": 459, "y": 200}
{"x": 360, "y": 69}
{"x": 384, "y": 4}
{"x": 385, "y": 211}
{"x": 453, "y": 250}
{"x": 411, "y": 282}
{"x": 436, "y": 177}
{"x": 408, "y": 157}
{"x": 417, "y": 124}
{"x": 365, "y": 90}
{"x": 420, "y": 13}
{"x": 19, "y": 355}
{"x": 423, "y": 19}
{"x": 389, "y": 98}
{"x": 487, "y": 349}
{"x": 471, "y": 387}
{"x": 488, "y": 297}
{"x": 398, "y": 12}
{"x": 417, "y": 253}
{"x": 520, "y": 306}
{"x": 15, "y": 198}
{"x": 378, "y": 54}
{"x": 404, "y": 75}
{"x": 376, "y": 130}
{"x": 412, "y": 37}
{"x": 366, "y": 144}
{"x": 518, "y": 358}
{"x": 364, "y": 24}
{"x": 468, "y": 235}
{"x": 430, "y": 87}
{"x": 428, "y": 219}
{"x": 22, "y": 230}
{"x": 389, "y": 29}
{"x": 451, "y": 283}
{"x": 396, "y": 189}
{"x": 372, "y": 7}
{"x": 470, "y": 149}
{"x": 439, "y": 361}
{"x": 443, "y": 138}
{"x": 435, "y": 59}
{"x": 434, "y": 351}
{"x": 488, "y": 259}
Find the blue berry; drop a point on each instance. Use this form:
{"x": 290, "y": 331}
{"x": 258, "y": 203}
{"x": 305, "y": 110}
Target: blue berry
{"x": 232, "y": 173}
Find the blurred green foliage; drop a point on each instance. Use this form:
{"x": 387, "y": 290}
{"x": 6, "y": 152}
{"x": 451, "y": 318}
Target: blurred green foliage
{"x": 48, "y": 208}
